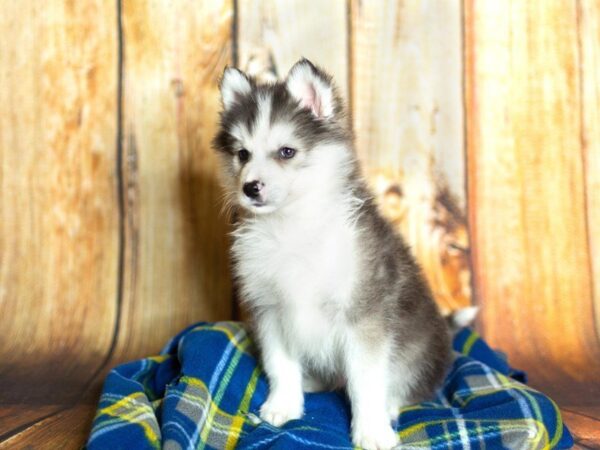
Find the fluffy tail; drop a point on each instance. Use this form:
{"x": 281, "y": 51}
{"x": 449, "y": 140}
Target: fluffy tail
{"x": 462, "y": 318}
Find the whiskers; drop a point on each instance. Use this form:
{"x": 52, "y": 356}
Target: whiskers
{"x": 228, "y": 205}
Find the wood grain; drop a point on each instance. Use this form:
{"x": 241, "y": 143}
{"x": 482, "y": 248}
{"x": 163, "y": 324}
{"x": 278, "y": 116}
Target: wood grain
{"x": 58, "y": 208}
{"x": 176, "y": 249}
{"x": 589, "y": 48}
{"x": 527, "y": 197}
{"x": 585, "y": 429}
{"x": 408, "y": 119}
{"x": 66, "y": 430}
{"x": 173, "y": 268}
{"x": 274, "y": 34}
{"x": 15, "y": 417}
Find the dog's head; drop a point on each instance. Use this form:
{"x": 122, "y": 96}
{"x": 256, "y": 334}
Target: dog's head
{"x": 283, "y": 141}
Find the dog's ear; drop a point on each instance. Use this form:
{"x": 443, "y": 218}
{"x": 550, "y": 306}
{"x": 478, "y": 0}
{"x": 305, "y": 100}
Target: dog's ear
{"x": 234, "y": 84}
{"x": 312, "y": 88}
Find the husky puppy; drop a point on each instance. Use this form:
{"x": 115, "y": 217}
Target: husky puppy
{"x": 336, "y": 297}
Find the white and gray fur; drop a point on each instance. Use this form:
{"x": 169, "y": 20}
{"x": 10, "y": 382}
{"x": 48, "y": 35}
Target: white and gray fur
{"x": 336, "y": 297}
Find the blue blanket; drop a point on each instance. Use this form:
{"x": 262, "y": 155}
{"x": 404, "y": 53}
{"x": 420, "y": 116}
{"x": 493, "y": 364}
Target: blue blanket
{"x": 206, "y": 387}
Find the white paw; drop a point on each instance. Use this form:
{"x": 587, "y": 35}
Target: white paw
{"x": 279, "y": 409}
{"x": 370, "y": 436}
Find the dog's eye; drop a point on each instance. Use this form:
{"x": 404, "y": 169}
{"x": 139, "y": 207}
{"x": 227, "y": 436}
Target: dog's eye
{"x": 244, "y": 155}
{"x": 286, "y": 152}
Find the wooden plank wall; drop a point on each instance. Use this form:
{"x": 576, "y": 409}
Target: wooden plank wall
{"x": 59, "y": 239}
{"x": 530, "y": 140}
{"x": 476, "y": 122}
{"x": 408, "y": 118}
{"x": 111, "y": 239}
{"x": 588, "y": 13}
{"x": 175, "y": 263}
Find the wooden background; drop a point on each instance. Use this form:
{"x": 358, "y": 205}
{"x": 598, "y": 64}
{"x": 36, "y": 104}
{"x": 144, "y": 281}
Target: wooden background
{"x": 478, "y": 123}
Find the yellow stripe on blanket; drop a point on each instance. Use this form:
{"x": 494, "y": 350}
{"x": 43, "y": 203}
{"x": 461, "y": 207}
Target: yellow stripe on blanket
{"x": 239, "y": 420}
{"x": 129, "y": 408}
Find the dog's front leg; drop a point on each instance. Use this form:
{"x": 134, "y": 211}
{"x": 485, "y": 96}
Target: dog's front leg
{"x": 367, "y": 370}
{"x": 286, "y": 400}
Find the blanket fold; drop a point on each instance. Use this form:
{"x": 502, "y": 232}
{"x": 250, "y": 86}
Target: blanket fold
{"x": 205, "y": 390}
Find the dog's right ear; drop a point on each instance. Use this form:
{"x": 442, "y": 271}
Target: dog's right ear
{"x": 234, "y": 84}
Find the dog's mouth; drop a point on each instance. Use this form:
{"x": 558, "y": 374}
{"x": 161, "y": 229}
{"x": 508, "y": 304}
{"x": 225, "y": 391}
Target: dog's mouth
{"x": 257, "y": 206}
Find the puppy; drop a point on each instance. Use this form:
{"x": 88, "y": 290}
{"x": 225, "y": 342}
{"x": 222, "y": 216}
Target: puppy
{"x": 336, "y": 297}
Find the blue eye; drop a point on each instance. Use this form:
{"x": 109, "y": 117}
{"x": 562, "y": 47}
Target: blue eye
{"x": 244, "y": 155}
{"x": 286, "y": 153}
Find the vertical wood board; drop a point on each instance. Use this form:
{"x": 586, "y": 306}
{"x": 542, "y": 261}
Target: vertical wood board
{"x": 527, "y": 200}
{"x": 589, "y": 42}
{"x": 176, "y": 249}
{"x": 408, "y": 120}
{"x": 58, "y": 203}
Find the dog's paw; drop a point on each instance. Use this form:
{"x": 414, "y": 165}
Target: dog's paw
{"x": 371, "y": 436}
{"x": 278, "y": 410}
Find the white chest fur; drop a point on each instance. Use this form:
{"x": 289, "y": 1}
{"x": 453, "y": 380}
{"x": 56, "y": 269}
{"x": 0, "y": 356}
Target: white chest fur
{"x": 305, "y": 270}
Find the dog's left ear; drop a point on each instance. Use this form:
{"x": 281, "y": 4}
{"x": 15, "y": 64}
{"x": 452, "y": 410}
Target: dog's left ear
{"x": 312, "y": 88}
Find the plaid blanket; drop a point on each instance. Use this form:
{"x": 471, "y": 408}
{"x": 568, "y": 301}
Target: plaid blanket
{"x": 206, "y": 388}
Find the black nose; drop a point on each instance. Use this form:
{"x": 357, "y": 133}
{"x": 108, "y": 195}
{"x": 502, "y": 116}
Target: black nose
{"x": 252, "y": 189}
